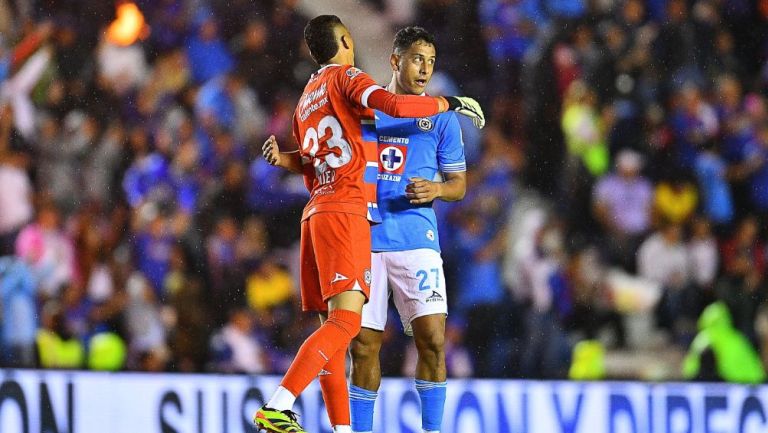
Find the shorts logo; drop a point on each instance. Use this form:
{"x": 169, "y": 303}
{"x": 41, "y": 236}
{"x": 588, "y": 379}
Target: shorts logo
{"x": 425, "y": 124}
{"x": 338, "y": 277}
{"x": 353, "y": 72}
{"x": 434, "y": 297}
{"x": 430, "y": 235}
{"x": 392, "y": 158}
{"x": 367, "y": 277}
{"x": 324, "y": 372}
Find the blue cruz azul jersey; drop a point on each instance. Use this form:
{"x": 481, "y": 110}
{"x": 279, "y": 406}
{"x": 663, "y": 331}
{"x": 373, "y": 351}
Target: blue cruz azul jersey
{"x": 410, "y": 148}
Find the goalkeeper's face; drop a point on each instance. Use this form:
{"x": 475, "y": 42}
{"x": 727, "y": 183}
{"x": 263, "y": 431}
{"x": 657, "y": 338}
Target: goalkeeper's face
{"x": 413, "y": 67}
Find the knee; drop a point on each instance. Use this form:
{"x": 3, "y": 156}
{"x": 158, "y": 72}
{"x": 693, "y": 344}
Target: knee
{"x": 363, "y": 349}
{"x": 348, "y": 321}
{"x": 431, "y": 345}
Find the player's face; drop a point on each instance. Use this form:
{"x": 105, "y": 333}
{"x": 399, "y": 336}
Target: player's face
{"x": 414, "y": 66}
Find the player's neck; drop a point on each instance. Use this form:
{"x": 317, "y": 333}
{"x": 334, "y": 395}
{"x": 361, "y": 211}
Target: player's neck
{"x": 342, "y": 58}
{"x": 392, "y": 87}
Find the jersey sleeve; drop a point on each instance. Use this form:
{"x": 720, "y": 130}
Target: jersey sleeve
{"x": 359, "y": 88}
{"x": 450, "y": 147}
{"x": 356, "y": 85}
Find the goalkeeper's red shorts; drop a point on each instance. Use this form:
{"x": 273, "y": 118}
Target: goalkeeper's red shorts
{"x": 335, "y": 257}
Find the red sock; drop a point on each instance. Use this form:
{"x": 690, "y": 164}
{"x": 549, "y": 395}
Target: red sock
{"x": 334, "y": 335}
{"x": 333, "y": 383}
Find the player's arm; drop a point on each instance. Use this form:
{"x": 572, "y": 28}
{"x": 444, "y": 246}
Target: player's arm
{"x": 290, "y": 161}
{"x": 394, "y": 105}
{"x": 452, "y": 164}
{"x": 360, "y": 88}
{"x": 453, "y": 188}
{"x": 421, "y": 106}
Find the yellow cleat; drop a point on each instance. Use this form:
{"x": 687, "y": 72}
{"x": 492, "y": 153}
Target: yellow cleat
{"x": 277, "y": 421}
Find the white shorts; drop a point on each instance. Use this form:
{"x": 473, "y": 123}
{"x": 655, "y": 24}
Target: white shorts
{"x": 416, "y": 281}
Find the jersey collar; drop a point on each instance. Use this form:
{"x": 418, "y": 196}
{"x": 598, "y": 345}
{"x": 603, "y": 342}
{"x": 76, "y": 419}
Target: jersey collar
{"x": 326, "y": 66}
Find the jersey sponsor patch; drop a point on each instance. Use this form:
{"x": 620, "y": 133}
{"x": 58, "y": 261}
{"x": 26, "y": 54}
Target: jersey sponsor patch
{"x": 392, "y": 158}
{"x": 353, "y": 72}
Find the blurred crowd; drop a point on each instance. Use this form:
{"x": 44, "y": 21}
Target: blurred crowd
{"x": 622, "y": 179}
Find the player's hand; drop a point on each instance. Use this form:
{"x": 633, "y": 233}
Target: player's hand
{"x": 468, "y": 107}
{"x": 421, "y": 191}
{"x": 271, "y": 151}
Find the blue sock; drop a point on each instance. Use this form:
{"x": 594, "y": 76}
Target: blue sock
{"x": 432, "y": 395}
{"x": 361, "y": 404}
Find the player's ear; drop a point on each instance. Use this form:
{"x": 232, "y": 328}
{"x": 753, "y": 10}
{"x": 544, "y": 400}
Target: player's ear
{"x": 394, "y": 62}
{"x": 345, "y": 42}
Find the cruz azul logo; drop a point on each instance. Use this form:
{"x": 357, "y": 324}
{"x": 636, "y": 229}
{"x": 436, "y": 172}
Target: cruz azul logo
{"x": 392, "y": 158}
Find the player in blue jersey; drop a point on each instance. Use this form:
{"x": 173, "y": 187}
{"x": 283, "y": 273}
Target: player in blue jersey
{"x": 420, "y": 160}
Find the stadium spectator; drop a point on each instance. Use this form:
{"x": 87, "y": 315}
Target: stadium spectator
{"x": 711, "y": 172}
{"x": 585, "y": 131}
{"x": 545, "y": 351}
{"x": 56, "y": 346}
{"x": 622, "y": 203}
{"x": 237, "y": 348}
{"x": 253, "y": 59}
{"x": 226, "y": 279}
{"x": 744, "y": 272}
{"x": 479, "y": 295}
{"x": 703, "y": 259}
{"x": 208, "y": 55}
{"x": 152, "y": 244}
{"x": 49, "y": 250}
{"x": 675, "y": 199}
{"x": 693, "y": 121}
{"x": 190, "y": 313}
{"x": 144, "y": 326}
{"x": 269, "y": 286}
{"x": 17, "y": 193}
{"x": 662, "y": 258}
{"x": 593, "y": 308}
{"x": 18, "y": 291}
{"x": 720, "y": 352}
{"x": 757, "y": 151}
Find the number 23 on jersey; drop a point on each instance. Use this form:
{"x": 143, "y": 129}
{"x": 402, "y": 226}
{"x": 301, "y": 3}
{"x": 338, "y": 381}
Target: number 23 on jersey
{"x": 327, "y": 148}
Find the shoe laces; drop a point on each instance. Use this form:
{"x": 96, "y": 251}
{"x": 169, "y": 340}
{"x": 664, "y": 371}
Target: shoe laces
{"x": 293, "y": 416}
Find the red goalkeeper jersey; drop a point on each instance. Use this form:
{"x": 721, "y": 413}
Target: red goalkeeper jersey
{"x": 334, "y": 126}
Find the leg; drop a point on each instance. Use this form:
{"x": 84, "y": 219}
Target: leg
{"x": 429, "y": 335}
{"x": 344, "y": 298}
{"x": 366, "y": 378}
{"x": 333, "y": 384}
{"x": 418, "y": 289}
{"x": 350, "y": 270}
{"x": 333, "y": 336}
{"x": 365, "y": 349}
{"x": 325, "y": 349}
{"x": 366, "y": 368}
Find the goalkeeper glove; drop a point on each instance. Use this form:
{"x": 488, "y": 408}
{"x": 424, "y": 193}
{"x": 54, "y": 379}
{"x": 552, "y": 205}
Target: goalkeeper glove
{"x": 468, "y": 107}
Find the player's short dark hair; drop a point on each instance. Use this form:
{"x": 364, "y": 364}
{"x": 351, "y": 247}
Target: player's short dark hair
{"x": 407, "y": 36}
{"x": 320, "y": 38}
